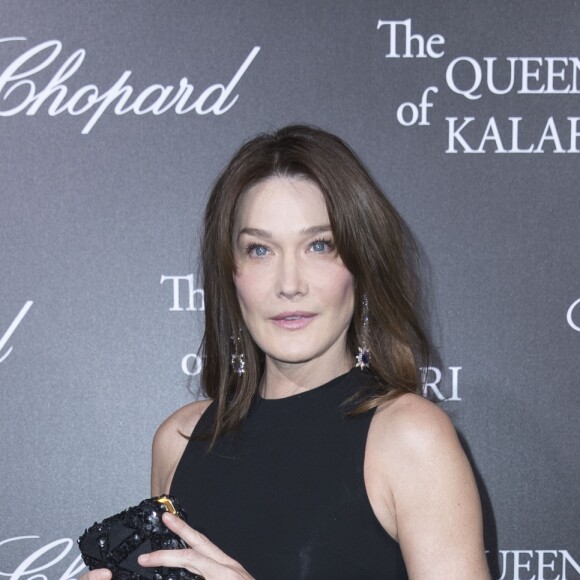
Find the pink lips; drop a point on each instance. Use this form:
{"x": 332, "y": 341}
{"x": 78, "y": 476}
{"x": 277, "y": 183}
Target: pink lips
{"x": 293, "y": 320}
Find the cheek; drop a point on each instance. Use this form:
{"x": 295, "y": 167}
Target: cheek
{"x": 247, "y": 290}
{"x": 339, "y": 287}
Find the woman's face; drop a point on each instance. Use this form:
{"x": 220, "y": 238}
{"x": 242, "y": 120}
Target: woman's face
{"x": 295, "y": 294}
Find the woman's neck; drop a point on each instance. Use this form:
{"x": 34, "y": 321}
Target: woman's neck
{"x": 283, "y": 379}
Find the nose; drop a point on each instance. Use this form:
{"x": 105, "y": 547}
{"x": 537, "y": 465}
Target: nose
{"x": 291, "y": 279}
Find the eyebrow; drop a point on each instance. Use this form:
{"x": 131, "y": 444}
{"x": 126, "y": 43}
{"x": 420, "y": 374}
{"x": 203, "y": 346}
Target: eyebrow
{"x": 259, "y": 233}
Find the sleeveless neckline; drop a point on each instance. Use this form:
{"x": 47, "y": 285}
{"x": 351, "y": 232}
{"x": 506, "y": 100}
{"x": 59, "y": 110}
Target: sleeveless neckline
{"x": 290, "y": 399}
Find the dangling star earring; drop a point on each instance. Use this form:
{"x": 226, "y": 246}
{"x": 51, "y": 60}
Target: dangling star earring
{"x": 237, "y": 358}
{"x": 364, "y": 354}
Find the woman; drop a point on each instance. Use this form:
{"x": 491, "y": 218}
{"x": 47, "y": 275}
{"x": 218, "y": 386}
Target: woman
{"x": 317, "y": 467}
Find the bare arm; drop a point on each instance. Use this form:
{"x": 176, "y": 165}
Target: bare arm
{"x": 432, "y": 493}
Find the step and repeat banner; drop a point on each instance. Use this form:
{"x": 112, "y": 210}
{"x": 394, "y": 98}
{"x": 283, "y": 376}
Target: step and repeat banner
{"x": 116, "y": 117}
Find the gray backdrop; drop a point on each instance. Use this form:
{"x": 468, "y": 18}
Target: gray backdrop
{"x": 467, "y": 113}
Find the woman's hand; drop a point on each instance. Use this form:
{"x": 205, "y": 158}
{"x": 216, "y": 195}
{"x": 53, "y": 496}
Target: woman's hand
{"x": 202, "y": 557}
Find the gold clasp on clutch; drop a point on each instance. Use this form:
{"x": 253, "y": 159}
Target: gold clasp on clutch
{"x": 164, "y": 500}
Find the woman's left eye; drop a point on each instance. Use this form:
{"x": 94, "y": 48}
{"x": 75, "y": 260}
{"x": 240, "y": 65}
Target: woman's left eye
{"x": 321, "y": 246}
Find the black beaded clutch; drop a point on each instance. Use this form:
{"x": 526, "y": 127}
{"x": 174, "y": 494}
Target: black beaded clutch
{"x": 117, "y": 541}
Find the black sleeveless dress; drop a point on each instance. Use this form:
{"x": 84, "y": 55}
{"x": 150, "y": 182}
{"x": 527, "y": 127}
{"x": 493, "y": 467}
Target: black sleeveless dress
{"x": 285, "y": 496}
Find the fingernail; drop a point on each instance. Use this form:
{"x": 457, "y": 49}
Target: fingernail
{"x": 143, "y": 558}
{"x": 168, "y": 516}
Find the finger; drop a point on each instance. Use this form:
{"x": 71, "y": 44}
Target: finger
{"x": 195, "y": 562}
{"x": 189, "y": 559}
{"x": 195, "y": 539}
{"x": 99, "y": 574}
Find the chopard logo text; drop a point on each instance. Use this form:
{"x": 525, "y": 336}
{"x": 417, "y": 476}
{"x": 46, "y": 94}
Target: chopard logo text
{"x": 19, "y": 92}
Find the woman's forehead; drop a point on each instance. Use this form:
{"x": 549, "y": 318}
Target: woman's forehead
{"x": 279, "y": 201}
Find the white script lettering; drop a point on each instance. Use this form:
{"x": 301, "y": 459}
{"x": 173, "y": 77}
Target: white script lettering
{"x": 26, "y": 569}
{"x": 569, "y": 315}
{"x": 19, "y": 92}
{"x": 15, "y": 324}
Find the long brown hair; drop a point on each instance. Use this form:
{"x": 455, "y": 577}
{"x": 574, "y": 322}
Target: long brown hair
{"x": 370, "y": 237}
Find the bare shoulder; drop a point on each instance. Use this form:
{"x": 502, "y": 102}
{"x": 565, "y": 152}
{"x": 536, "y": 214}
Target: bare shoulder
{"x": 170, "y": 441}
{"x": 429, "y": 489}
{"x": 181, "y": 421}
{"x": 409, "y": 436}
{"x": 416, "y": 445}
{"x": 412, "y": 423}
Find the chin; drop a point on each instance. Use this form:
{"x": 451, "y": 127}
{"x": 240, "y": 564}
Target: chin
{"x": 292, "y": 356}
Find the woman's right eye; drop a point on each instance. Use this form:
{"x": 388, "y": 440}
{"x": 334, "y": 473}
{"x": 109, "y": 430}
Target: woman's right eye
{"x": 256, "y": 250}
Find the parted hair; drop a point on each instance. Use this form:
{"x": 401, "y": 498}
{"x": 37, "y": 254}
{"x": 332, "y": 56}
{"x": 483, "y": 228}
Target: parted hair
{"x": 370, "y": 237}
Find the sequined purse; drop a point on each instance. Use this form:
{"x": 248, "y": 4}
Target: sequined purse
{"x": 117, "y": 541}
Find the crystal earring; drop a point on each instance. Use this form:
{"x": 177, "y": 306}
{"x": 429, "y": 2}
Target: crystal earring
{"x": 237, "y": 358}
{"x": 364, "y": 354}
